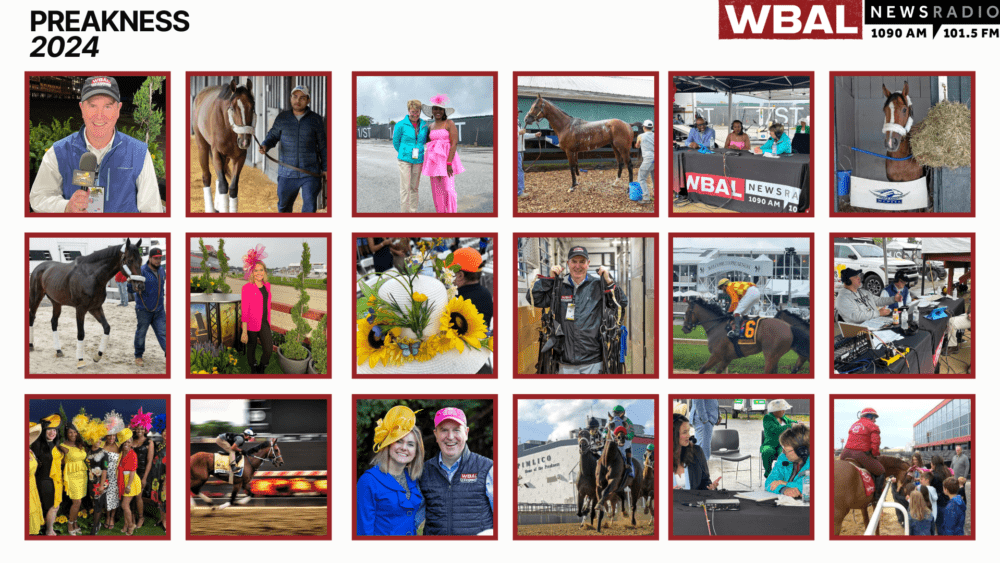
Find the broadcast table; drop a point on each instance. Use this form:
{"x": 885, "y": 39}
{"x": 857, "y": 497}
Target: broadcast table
{"x": 752, "y": 519}
{"x": 748, "y": 183}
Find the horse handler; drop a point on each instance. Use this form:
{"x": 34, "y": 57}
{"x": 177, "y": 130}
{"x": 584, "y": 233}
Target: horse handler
{"x": 646, "y": 142}
{"x": 149, "y": 306}
{"x": 302, "y": 134}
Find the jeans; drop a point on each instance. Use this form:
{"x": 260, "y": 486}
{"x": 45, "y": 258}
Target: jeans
{"x": 645, "y": 176}
{"x": 520, "y": 174}
{"x": 703, "y": 432}
{"x": 123, "y": 293}
{"x": 288, "y": 190}
{"x": 158, "y": 320}
{"x": 584, "y": 369}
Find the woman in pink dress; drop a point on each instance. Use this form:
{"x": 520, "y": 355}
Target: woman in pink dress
{"x": 441, "y": 161}
{"x": 737, "y": 138}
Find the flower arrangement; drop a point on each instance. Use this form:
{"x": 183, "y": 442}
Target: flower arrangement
{"x": 392, "y": 333}
{"x": 208, "y": 358}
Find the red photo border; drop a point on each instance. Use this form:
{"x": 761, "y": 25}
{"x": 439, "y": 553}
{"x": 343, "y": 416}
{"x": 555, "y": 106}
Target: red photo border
{"x": 972, "y": 308}
{"x": 656, "y": 483}
{"x": 972, "y": 467}
{"x": 811, "y": 212}
{"x": 49, "y": 397}
{"x": 27, "y": 139}
{"x": 497, "y": 472}
{"x": 188, "y": 238}
{"x": 187, "y": 141}
{"x": 354, "y": 144}
{"x": 187, "y": 465}
{"x": 813, "y": 465}
{"x": 833, "y": 125}
{"x": 656, "y": 308}
{"x": 812, "y": 294}
{"x": 27, "y": 274}
{"x": 656, "y": 147}
{"x": 496, "y": 319}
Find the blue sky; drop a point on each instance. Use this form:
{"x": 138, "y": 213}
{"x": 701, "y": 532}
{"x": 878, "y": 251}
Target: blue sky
{"x": 553, "y": 419}
{"x": 896, "y": 418}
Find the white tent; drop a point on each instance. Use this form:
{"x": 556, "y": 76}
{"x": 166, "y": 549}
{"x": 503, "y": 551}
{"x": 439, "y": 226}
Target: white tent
{"x": 947, "y": 245}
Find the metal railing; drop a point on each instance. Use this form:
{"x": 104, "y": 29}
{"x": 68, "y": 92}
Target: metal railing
{"x": 877, "y": 513}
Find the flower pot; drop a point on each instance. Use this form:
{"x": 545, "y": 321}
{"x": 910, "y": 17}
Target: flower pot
{"x": 289, "y": 366}
{"x": 312, "y": 368}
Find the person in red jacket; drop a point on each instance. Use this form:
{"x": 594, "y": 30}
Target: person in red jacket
{"x": 863, "y": 443}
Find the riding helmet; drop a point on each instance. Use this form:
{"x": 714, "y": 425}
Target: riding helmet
{"x": 723, "y": 282}
{"x": 618, "y": 409}
{"x": 869, "y": 411}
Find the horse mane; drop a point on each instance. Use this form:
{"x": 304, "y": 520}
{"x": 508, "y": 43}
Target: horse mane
{"x": 256, "y": 447}
{"x": 99, "y": 255}
{"x": 712, "y": 306}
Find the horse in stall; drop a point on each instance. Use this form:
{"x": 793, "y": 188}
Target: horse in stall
{"x": 82, "y": 285}
{"x": 586, "y": 485}
{"x": 224, "y": 118}
{"x": 775, "y": 338}
{"x": 898, "y": 126}
{"x": 202, "y": 466}
{"x": 849, "y": 490}
{"x": 576, "y": 136}
{"x": 648, "y": 482}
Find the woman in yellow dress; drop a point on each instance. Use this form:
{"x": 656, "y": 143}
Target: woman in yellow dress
{"x": 35, "y": 517}
{"x": 128, "y": 481}
{"x": 75, "y": 469}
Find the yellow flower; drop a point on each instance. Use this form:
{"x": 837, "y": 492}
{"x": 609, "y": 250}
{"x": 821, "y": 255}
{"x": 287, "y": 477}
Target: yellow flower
{"x": 462, "y": 324}
{"x": 371, "y": 299}
{"x": 419, "y": 297}
{"x": 375, "y": 349}
{"x": 62, "y": 519}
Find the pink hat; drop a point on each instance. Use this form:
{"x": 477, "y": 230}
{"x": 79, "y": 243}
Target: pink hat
{"x": 449, "y": 413}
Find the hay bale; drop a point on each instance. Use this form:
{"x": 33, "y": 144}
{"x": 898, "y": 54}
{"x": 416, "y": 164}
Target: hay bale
{"x": 944, "y": 137}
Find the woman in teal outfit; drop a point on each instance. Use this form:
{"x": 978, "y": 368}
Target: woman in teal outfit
{"x": 793, "y": 463}
{"x": 779, "y": 143}
{"x": 775, "y": 422}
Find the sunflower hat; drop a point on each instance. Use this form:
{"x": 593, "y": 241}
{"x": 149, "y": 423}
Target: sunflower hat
{"x": 396, "y": 423}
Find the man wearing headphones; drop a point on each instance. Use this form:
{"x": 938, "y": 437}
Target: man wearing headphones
{"x": 855, "y": 304}
{"x": 792, "y": 465}
{"x": 646, "y": 142}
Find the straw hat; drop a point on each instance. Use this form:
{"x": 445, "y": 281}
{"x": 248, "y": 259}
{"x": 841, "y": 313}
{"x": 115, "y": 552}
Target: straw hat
{"x": 398, "y": 422}
{"x": 34, "y": 431}
{"x": 441, "y": 101}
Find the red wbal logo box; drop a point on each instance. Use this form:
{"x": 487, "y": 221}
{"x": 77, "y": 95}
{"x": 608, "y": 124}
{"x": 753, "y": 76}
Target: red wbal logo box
{"x": 790, "y": 19}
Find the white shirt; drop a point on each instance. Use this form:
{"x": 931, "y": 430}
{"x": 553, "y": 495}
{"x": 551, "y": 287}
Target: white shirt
{"x": 683, "y": 481}
{"x": 46, "y": 194}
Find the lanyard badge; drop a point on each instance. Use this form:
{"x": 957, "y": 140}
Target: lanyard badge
{"x": 571, "y": 312}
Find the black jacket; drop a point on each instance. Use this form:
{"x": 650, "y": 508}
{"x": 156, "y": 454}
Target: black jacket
{"x": 700, "y": 479}
{"x": 582, "y": 336}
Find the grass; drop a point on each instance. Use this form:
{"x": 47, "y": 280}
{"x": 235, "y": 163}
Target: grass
{"x": 692, "y": 356}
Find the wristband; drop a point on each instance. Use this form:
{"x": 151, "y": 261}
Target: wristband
{"x": 449, "y": 164}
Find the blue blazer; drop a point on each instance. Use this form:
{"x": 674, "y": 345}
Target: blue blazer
{"x": 382, "y": 506}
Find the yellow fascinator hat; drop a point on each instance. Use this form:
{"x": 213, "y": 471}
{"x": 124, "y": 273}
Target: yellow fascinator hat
{"x": 398, "y": 422}
{"x": 94, "y": 431}
{"x": 124, "y": 436}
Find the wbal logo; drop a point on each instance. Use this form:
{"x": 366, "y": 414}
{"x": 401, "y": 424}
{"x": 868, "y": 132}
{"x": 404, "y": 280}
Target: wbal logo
{"x": 889, "y": 195}
{"x": 791, "y": 19}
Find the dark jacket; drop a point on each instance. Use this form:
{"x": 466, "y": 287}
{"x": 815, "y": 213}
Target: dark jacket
{"x": 459, "y": 507}
{"x": 698, "y": 471}
{"x": 303, "y": 142}
{"x": 582, "y": 342}
{"x": 117, "y": 173}
{"x": 151, "y": 297}
{"x": 481, "y": 298}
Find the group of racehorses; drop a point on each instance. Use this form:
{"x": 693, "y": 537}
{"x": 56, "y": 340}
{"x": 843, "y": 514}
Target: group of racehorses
{"x": 603, "y": 479}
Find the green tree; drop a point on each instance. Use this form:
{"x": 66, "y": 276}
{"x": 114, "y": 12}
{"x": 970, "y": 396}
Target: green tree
{"x": 365, "y": 120}
{"x": 221, "y": 285}
{"x": 207, "y": 285}
{"x": 213, "y": 428}
{"x": 292, "y": 347}
{"x": 317, "y": 341}
{"x": 150, "y": 119}
{"x": 392, "y": 123}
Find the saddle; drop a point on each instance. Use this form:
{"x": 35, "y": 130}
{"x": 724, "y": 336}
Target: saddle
{"x": 866, "y": 477}
{"x": 221, "y": 466}
{"x": 746, "y": 333}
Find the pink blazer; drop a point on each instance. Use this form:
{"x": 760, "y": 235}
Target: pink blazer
{"x": 252, "y": 306}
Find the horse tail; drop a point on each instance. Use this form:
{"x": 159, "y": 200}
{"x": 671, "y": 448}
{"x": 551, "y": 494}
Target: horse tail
{"x": 800, "y": 341}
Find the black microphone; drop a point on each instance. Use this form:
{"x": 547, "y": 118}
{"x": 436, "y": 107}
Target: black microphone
{"x": 86, "y": 175}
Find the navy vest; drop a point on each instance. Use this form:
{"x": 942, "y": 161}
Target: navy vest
{"x": 461, "y": 507}
{"x": 117, "y": 172}
{"x": 892, "y": 291}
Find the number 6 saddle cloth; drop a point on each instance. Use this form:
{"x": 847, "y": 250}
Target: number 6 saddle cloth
{"x": 222, "y": 465}
{"x": 748, "y": 331}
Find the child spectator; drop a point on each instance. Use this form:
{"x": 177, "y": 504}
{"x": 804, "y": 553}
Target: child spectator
{"x": 921, "y": 517}
{"x": 927, "y": 489}
{"x": 954, "y": 511}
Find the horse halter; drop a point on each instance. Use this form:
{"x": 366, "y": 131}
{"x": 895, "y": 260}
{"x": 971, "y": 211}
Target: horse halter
{"x": 241, "y": 129}
{"x": 891, "y": 126}
{"x": 125, "y": 268}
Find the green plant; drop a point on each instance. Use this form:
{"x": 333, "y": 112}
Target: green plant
{"x": 41, "y": 137}
{"x": 317, "y": 340}
{"x": 221, "y": 286}
{"x": 206, "y": 282}
{"x": 149, "y": 120}
{"x": 206, "y": 357}
{"x": 292, "y": 348}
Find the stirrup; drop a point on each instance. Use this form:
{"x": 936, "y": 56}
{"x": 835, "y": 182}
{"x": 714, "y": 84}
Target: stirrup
{"x": 733, "y": 334}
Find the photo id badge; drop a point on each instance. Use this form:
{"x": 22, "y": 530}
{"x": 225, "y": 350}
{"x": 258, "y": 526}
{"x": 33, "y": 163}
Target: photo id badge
{"x": 95, "y": 200}
{"x": 571, "y": 312}
{"x": 416, "y": 154}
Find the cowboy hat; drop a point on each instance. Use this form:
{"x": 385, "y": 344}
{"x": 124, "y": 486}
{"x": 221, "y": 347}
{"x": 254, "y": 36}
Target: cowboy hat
{"x": 396, "y": 423}
{"x": 441, "y": 101}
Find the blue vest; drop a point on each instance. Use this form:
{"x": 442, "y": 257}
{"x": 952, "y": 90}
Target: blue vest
{"x": 461, "y": 507}
{"x": 892, "y": 291}
{"x": 117, "y": 172}
{"x": 151, "y": 297}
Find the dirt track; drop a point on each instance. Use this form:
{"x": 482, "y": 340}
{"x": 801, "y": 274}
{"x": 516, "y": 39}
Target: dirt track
{"x": 888, "y": 524}
{"x": 259, "y": 521}
{"x": 619, "y": 528}
{"x": 547, "y": 192}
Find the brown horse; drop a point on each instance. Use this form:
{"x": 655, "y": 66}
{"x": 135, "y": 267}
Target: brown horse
{"x": 849, "y": 491}
{"x": 898, "y": 127}
{"x": 775, "y": 338}
{"x": 586, "y": 485}
{"x": 576, "y": 136}
{"x": 224, "y": 118}
{"x": 202, "y": 467}
{"x": 611, "y": 479}
{"x": 82, "y": 285}
{"x": 648, "y": 482}
{"x": 792, "y": 319}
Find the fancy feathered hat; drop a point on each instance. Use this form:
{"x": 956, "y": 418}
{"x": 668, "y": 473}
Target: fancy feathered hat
{"x": 398, "y": 422}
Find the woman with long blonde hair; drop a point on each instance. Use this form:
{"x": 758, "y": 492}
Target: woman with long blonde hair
{"x": 255, "y": 309}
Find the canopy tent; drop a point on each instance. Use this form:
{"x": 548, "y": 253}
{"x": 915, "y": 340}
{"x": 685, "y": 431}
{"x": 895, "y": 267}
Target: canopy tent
{"x": 773, "y": 88}
{"x": 948, "y": 249}
{"x": 800, "y": 288}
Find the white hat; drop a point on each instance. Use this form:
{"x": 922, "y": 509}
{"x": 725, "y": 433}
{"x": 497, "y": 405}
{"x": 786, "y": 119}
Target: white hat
{"x": 778, "y": 405}
{"x": 648, "y": 123}
{"x": 301, "y": 88}
{"x": 441, "y": 101}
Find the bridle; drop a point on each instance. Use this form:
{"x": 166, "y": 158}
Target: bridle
{"x": 536, "y": 114}
{"x": 689, "y": 325}
{"x": 123, "y": 266}
{"x": 271, "y": 456}
{"x": 890, "y": 126}
{"x": 242, "y": 129}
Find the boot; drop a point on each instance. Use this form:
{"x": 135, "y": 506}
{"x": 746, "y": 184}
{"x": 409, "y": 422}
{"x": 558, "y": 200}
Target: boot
{"x": 222, "y": 202}
{"x": 628, "y": 463}
{"x": 879, "y": 483}
{"x": 734, "y": 331}
{"x": 208, "y": 200}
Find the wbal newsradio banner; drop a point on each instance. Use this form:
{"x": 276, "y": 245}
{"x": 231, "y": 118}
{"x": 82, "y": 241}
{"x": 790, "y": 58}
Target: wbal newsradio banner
{"x": 845, "y": 19}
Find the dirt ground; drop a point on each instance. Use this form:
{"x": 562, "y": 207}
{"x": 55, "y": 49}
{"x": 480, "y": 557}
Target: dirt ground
{"x": 547, "y": 192}
{"x": 620, "y": 528}
{"x": 119, "y": 355}
{"x": 258, "y": 194}
{"x": 259, "y": 521}
{"x": 854, "y": 524}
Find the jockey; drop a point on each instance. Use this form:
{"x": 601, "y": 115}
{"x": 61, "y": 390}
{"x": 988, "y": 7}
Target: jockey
{"x": 230, "y": 442}
{"x": 620, "y": 422}
{"x": 742, "y": 296}
{"x": 863, "y": 443}
{"x": 594, "y": 427}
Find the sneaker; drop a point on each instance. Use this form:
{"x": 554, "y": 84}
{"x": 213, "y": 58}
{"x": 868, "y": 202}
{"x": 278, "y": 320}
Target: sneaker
{"x": 139, "y": 362}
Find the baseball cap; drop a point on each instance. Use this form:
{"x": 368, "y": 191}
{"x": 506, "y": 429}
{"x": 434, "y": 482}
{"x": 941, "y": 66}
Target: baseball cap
{"x": 301, "y": 88}
{"x": 155, "y": 252}
{"x": 648, "y": 123}
{"x": 95, "y": 85}
{"x": 449, "y": 413}
{"x": 579, "y": 251}
{"x": 848, "y": 273}
{"x": 469, "y": 259}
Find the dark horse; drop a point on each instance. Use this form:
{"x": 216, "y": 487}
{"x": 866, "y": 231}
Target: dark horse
{"x": 775, "y": 338}
{"x": 83, "y": 285}
{"x": 611, "y": 479}
{"x": 586, "y": 485}
{"x": 849, "y": 491}
{"x": 898, "y": 109}
{"x": 203, "y": 464}
{"x": 647, "y": 492}
{"x": 792, "y": 319}
{"x": 224, "y": 121}
{"x": 576, "y": 136}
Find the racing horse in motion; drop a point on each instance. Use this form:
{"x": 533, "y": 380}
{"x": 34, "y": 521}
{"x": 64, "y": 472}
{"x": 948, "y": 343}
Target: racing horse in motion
{"x": 648, "y": 481}
{"x": 612, "y": 479}
{"x": 774, "y": 338}
{"x": 586, "y": 484}
{"x": 224, "y": 118}
{"x": 898, "y": 126}
{"x": 849, "y": 489}
{"x": 203, "y": 464}
{"x": 576, "y": 136}
{"x": 82, "y": 285}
